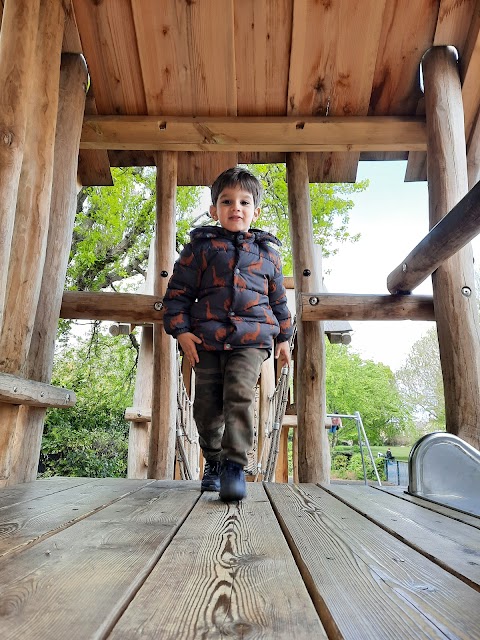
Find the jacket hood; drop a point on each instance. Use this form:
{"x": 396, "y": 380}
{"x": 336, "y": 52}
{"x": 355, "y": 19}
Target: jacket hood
{"x": 200, "y": 233}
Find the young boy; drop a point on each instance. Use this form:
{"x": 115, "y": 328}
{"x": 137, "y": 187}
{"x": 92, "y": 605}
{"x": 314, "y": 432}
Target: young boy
{"x": 225, "y": 304}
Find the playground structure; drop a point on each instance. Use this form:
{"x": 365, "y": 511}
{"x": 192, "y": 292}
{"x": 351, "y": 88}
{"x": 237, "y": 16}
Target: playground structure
{"x": 193, "y": 87}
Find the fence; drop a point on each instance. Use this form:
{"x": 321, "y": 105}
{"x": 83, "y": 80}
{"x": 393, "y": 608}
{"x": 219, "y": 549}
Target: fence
{"x": 396, "y": 472}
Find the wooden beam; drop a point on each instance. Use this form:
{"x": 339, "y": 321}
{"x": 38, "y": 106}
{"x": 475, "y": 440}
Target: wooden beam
{"x": 39, "y": 365}
{"x": 342, "y": 306}
{"x": 313, "y": 447}
{"x": 379, "y": 133}
{"x": 17, "y": 390}
{"x": 453, "y": 282}
{"x": 161, "y": 457}
{"x": 453, "y": 232}
{"x": 133, "y": 308}
{"x": 17, "y": 46}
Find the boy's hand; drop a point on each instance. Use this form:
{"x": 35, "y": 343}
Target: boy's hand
{"x": 282, "y": 352}
{"x": 188, "y": 342}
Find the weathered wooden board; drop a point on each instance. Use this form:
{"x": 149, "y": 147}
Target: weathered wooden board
{"x": 399, "y": 492}
{"x": 18, "y": 390}
{"x": 451, "y": 544}
{"x": 77, "y": 583}
{"x": 364, "y": 582}
{"x": 227, "y": 573}
{"x": 27, "y": 491}
{"x": 34, "y": 520}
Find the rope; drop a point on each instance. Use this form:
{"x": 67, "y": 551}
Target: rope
{"x": 186, "y": 430}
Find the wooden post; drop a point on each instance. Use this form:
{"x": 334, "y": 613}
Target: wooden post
{"x": 29, "y": 428}
{"x": 139, "y": 433}
{"x": 455, "y": 304}
{"x": 164, "y": 397}
{"x": 17, "y": 46}
{"x": 29, "y": 238}
{"x": 313, "y": 449}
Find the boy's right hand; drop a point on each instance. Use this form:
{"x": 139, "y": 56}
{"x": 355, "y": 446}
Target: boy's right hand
{"x": 188, "y": 342}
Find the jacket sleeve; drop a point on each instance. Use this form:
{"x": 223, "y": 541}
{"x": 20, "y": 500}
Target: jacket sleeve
{"x": 181, "y": 293}
{"x": 278, "y": 302}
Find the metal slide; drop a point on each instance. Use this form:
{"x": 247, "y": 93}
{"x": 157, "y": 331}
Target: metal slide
{"x": 445, "y": 469}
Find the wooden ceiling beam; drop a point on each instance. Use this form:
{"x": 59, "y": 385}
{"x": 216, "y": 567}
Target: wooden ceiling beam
{"x": 363, "y": 133}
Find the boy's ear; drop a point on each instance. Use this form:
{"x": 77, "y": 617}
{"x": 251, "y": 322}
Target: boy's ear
{"x": 256, "y": 214}
{"x": 213, "y": 212}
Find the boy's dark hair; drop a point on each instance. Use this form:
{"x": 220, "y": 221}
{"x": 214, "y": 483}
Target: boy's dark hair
{"x": 237, "y": 176}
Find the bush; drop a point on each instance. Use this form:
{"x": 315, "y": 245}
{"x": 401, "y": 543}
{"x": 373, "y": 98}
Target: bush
{"x": 352, "y": 468}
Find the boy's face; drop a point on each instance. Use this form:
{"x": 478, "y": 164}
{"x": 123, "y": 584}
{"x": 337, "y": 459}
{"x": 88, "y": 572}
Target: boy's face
{"x": 235, "y": 209}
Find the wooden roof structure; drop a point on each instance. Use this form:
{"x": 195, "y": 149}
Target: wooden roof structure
{"x": 251, "y": 79}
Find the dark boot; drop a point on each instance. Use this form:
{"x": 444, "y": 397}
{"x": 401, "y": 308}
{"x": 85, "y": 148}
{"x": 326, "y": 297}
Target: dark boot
{"x": 211, "y": 478}
{"x": 233, "y": 485}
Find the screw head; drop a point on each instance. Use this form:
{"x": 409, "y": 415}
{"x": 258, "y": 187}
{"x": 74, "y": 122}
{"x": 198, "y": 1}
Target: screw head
{"x": 466, "y": 291}
{"x": 307, "y": 272}
{"x": 313, "y": 301}
{"x": 404, "y": 267}
{"x": 164, "y": 274}
{"x": 158, "y": 306}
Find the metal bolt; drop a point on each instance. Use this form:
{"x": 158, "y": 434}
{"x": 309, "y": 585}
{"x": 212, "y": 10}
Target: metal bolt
{"x": 158, "y": 306}
{"x": 15, "y": 389}
{"x": 164, "y": 274}
{"x": 67, "y": 398}
{"x": 307, "y": 272}
{"x": 313, "y": 301}
{"x": 404, "y": 267}
{"x": 466, "y": 291}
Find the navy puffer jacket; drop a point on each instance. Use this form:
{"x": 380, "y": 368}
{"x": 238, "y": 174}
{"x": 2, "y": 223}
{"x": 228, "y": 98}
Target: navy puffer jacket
{"x": 227, "y": 288}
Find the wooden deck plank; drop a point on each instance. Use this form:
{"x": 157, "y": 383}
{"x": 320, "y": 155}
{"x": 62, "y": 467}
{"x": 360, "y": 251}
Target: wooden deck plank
{"x": 227, "y": 573}
{"x": 364, "y": 582}
{"x": 451, "y": 544}
{"x": 22, "y": 524}
{"x": 14, "y": 494}
{"x": 454, "y": 514}
{"x": 76, "y": 584}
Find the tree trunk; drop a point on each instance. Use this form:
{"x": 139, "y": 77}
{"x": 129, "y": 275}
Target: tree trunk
{"x": 313, "y": 448}
{"x": 164, "y": 396}
{"x": 454, "y": 299}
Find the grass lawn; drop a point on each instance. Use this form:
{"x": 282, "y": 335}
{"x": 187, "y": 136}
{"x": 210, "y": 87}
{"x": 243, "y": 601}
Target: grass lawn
{"x": 399, "y": 453}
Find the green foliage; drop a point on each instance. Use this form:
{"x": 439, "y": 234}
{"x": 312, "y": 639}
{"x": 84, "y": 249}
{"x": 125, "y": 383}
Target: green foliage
{"x": 360, "y": 385}
{"x": 421, "y": 383}
{"x": 330, "y": 210}
{"x": 352, "y": 468}
{"x": 114, "y": 227}
{"x": 91, "y": 438}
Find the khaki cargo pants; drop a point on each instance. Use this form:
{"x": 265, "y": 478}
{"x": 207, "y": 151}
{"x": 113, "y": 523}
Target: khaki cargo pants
{"x": 224, "y": 402}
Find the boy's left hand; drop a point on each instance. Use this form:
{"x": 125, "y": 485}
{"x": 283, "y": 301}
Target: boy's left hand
{"x": 282, "y": 353}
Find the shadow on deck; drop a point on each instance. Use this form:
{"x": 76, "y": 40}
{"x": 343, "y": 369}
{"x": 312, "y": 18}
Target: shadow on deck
{"x": 83, "y": 558}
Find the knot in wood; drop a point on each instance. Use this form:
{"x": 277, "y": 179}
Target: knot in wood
{"x": 7, "y": 138}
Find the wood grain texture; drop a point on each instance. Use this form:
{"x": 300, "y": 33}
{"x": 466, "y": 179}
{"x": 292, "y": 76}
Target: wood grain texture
{"x": 27, "y": 491}
{"x": 457, "y": 315}
{"x": 77, "y": 583}
{"x": 338, "y": 306}
{"x": 236, "y": 580}
{"x": 400, "y": 492}
{"x": 449, "y": 543}
{"x": 364, "y": 583}
{"x": 18, "y": 390}
{"x": 36, "y": 519}
{"x": 313, "y": 447}
{"x": 133, "y": 308}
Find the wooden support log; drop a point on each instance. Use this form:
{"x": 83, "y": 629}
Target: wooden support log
{"x": 343, "y": 306}
{"x": 164, "y": 396}
{"x": 455, "y": 230}
{"x": 17, "y": 46}
{"x": 313, "y": 448}
{"x": 133, "y": 308}
{"x": 289, "y": 133}
{"x": 39, "y": 366}
{"x": 16, "y": 390}
{"x": 29, "y": 238}
{"x": 454, "y": 297}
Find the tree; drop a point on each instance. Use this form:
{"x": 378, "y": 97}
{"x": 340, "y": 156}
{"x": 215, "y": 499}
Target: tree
{"x": 114, "y": 226}
{"x": 90, "y": 438}
{"x": 360, "y": 385}
{"x": 330, "y": 210}
{"x": 420, "y": 380}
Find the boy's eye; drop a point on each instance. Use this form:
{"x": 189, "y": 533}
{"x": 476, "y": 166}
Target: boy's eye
{"x": 245, "y": 203}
